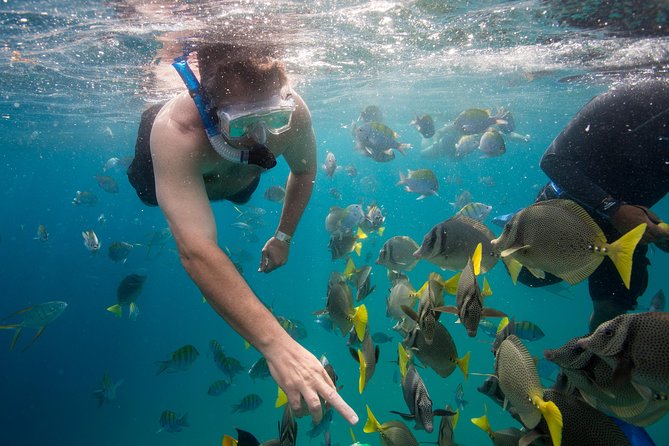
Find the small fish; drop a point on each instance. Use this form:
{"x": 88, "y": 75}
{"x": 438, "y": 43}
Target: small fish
{"x": 466, "y": 145}
{"x": 657, "y": 303}
{"x": 107, "y": 183}
{"x": 371, "y": 113}
{"x": 488, "y": 181}
{"x": 171, "y": 422}
{"x": 334, "y": 193}
{"x": 401, "y": 294}
{"x": 323, "y": 427}
{"x": 376, "y": 138}
{"x": 111, "y": 163}
{"x": 275, "y": 194}
{"x": 227, "y": 364}
{"x": 492, "y": 144}
{"x": 460, "y": 398}
{"x": 475, "y": 120}
{"x": 381, "y": 338}
{"x": 340, "y": 307}
{"x": 340, "y": 221}
{"x": 218, "y": 387}
{"x": 127, "y": 292}
{"x": 488, "y": 327}
{"x": 91, "y": 241}
{"x": 85, "y": 197}
{"x": 424, "y": 124}
{"x": 107, "y": 390}
{"x": 462, "y": 199}
{"x": 446, "y": 428}
{"x": 476, "y": 211}
{"x": 528, "y": 331}
{"x": 293, "y": 327}
{"x": 248, "y": 403}
{"x": 422, "y": 181}
{"x": 374, "y": 220}
{"x": 344, "y": 244}
{"x": 119, "y": 251}
{"x": 42, "y": 234}
{"x": 259, "y": 369}
{"x": 392, "y": 433}
{"x": 360, "y": 278}
{"x": 449, "y": 244}
{"x": 351, "y": 170}
{"x": 36, "y": 316}
{"x": 102, "y": 219}
{"x": 397, "y": 254}
{"x": 330, "y": 164}
{"x": 181, "y": 360}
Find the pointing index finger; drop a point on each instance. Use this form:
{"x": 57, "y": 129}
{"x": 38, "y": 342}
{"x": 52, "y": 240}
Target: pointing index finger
{"x": 337, "y": 403}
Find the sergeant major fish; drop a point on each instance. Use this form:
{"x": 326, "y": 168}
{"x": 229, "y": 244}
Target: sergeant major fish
{"x": 422, "y": 182}
{"x": 181, "y": 360}
{"x": 171, "y": 422}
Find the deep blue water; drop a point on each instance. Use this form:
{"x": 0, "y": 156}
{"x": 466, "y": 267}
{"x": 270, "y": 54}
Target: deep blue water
{"x": 57, "y": 135}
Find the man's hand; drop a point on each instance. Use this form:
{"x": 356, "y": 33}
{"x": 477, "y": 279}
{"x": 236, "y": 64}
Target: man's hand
{"x": 303, "y": 379}
{"x": 274, "y": 255}
{"x": 629, "y": 216}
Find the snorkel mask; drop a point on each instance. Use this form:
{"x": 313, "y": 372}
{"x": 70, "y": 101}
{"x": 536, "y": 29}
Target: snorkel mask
{"x": 237, "y": 121}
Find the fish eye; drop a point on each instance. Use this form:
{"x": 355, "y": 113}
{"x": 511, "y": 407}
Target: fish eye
{"x": 608, "y": 332}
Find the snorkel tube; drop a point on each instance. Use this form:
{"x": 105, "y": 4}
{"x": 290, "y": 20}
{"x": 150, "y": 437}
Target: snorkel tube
{"x": 258, "y": 155}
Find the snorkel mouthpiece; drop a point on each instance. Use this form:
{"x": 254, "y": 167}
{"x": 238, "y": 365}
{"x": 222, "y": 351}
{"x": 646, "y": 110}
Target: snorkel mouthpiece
{"x": 259, "y": 155}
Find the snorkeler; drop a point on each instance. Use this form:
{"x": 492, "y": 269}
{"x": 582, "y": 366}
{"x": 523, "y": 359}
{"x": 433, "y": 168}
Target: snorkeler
{"x": 212, "y": 143}
{"x": 612, "y": 158}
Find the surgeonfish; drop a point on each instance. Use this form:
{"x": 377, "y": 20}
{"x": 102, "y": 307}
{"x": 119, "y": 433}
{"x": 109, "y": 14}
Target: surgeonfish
{"x": 558, "y": 236}
{"x": 127, "y": 292}
{"x": 396, "y": 254}
{"x": 520, "y": 383}
{"x": 367, "y": 357}
{"x": 391, "y": 433}
{"x": 450, "y": 244}
{"x": 340, "y": 307}
{"x": 636, "y": 346}
{"x": 469, "y": 297}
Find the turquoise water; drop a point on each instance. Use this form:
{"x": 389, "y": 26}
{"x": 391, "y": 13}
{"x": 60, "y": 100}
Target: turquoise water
{"x": 71, "y": 100}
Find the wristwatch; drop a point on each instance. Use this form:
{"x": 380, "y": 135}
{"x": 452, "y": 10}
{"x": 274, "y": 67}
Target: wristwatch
{"x": 282, "y": 236}
{"x": 609, "y": 206}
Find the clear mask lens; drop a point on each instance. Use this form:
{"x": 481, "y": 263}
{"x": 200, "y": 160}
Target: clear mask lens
{"x": 236, "y": 121}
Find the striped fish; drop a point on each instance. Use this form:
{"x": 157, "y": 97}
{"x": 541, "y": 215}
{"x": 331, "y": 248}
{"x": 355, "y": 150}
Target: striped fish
{"x": 227, "y": 364}
{"x": 477, "y": 211}
{"x": 171, "y": 422}
{"x": 528, "y": 331}
{"x": 250, "y": 402}
{"x": 218, "y": 387}
{"x": 182, "y": 359}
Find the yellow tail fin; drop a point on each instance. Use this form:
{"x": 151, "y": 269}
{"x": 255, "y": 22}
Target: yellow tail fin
{"x": 228, "y": 441}
{"x": 360, "y": 321}
{"x": 483, "y": 423}
{"x": 476, "y": 259}
{"x": 486, "y": 291}
{"x": 116, "y": 309}
{"x": 463, "y": 363}
{"x": 360, "y": 234}
{"x": 621, "y": 252}
{"x": 552, "y": 416}
{"x": 422, "y": 289}
{"x": 503, "y": 323}
{"x": 363, "y": 372}
{"x": 380, "y": 230}
{"x": 350, "y": 268}
{"x": 456, "y": 417}
{"x": 357, "y": 247}
{"x": 451, "y": 285}
{"x": 372, "y": 425}
{"x": 514, "y": 267}
{"x": 281, "y": 398}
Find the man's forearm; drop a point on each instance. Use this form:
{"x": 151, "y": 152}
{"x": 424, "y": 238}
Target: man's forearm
{"x": 228, "y": 293}
{"x": 298, "y": 192}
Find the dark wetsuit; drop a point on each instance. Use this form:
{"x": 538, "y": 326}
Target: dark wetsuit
{"x": 140, "y": 171}
{"x": 616, "y": 146}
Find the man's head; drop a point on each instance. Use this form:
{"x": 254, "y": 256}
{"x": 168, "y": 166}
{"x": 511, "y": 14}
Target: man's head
{"x": 232, "y": 73}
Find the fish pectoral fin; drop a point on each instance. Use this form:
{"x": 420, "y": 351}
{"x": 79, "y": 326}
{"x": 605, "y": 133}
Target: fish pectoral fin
{"x": 410, "y": 312}
{"x": 406, "y": 416}
{"x": 447, "y": 309}
{"x": 15, "y": 338}
{"x": 539, "y": 274}
{"x": 622, "y": 373}
{"x": 443, "y": 413}
{"x": 491, "y": 312}
{"x": 37, "y": 335}
{"x": 509, "y": 251}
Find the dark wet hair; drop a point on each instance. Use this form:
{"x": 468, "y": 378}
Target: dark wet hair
{"x": 252, "y": 68}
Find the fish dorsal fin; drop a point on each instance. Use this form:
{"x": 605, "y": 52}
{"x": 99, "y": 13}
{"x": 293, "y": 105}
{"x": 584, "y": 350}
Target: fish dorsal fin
{"x": 476, "y": 259}
{"x": 403, "y": 359}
